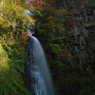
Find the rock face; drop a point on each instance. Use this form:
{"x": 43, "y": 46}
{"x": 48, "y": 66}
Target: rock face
{"x": 84, "y": 35}
{"x": 82, "y": 12}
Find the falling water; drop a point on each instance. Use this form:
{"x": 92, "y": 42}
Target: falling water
{"x": 38, "y": 79}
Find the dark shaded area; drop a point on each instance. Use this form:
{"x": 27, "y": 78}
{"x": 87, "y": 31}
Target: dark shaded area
{"x": 70, "y": 51}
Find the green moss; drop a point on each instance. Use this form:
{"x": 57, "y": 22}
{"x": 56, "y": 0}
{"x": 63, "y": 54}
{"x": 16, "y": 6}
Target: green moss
{"x": 20, "y": 88}
{"x": 3, "y": 60}
{"x": 12, "y": 58}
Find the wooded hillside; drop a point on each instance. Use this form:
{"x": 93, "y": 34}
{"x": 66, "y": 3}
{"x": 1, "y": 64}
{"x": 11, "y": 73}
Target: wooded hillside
{"x": 67, "y": 33}
{"x": 13, "y": 40}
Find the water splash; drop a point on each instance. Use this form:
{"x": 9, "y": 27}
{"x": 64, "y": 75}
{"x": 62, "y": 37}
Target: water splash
{"x": 38, "y": 79}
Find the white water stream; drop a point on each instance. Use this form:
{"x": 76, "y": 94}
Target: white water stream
{"x": 39, "y": 80}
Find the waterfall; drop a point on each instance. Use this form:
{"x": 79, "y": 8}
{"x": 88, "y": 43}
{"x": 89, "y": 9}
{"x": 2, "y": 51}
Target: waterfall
{"x": 38, "y": 79}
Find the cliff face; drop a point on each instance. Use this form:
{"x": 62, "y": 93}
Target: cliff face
{"x": 84, "y": 33}
{"x": 82, "y": 19}
{"x": 72, "y": 69}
